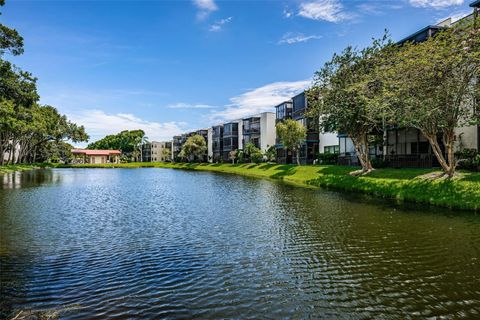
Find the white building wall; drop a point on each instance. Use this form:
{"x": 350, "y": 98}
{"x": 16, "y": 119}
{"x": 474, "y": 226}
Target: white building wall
{"x": 466, "y": 138}
{"x": 267, "y": 130}
{"x": 210, "y": 145}
{"x": 327, "y": 139}
{"x": 157, "y": 151}
{"x": 240, "y": 133}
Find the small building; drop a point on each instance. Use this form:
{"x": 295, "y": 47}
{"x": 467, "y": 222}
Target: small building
{"x": 96, "y": 156}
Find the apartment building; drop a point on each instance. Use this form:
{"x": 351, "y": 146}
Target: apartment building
{"x": 217, "y": 143}
{"x": 232, "y": 138}
{"x": 310, "y": 148}
{"x": 259, "y": 130}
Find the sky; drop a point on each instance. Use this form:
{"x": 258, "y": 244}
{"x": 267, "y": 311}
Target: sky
{"x": 174, "y": 66}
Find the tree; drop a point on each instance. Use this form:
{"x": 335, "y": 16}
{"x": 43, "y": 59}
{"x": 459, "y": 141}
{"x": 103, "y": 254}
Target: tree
{"x": 166, "y": 153}
{"x": 232, "y": 155}
{"x": 432, "y": 86}
{"x": 271, "y": 154}
{"x": 344, "y": 95}
{"x": 292, "y": 135}
{"x": 129, "y": 142}
{"x": 194, "y": 148}
{"x": 250, "y": 149}
{"x": 10, "y": 40}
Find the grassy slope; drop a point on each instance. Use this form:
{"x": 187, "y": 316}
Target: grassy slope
{"x": 401, "y": 184}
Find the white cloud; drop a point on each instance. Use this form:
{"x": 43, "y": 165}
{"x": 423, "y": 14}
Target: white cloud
{"x": 436, "y": 4}
{"x": 99, "y": 124}
{"x": 218, "y": 25}
{"x": 182, "y": 105}
{"x": 287, "y": 13}
{"x": 260, "y": 99}
{"x": 291, "y": 38}
{"x": 205, "y": 7}
{"x": 327, "y": 10}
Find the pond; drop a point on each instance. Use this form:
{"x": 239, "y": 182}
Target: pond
{"x": 160, "y": 243}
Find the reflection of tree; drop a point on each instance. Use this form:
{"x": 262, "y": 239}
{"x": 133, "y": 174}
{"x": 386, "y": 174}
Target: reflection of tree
{"x": 29, "y": 178}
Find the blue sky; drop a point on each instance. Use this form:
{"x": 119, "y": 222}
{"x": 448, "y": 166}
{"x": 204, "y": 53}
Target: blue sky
{"x": 173, "y": 66}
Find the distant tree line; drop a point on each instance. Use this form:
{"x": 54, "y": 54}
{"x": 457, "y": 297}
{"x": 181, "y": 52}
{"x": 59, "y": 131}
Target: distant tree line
{"x": 129, "y": 142}
{"x": 29, "y": 132}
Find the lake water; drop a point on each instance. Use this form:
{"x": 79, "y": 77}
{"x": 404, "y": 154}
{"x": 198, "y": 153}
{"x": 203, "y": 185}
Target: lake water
{"x": 159, "y": 243}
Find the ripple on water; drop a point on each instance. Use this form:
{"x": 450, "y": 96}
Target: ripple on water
{"x": 154, "y": 243}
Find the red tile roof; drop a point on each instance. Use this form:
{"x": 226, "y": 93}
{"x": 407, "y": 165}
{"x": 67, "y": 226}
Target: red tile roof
{"x": 96, "y": 152}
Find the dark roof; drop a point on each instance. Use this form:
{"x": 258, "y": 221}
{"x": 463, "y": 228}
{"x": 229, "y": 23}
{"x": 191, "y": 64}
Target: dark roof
{"x": 412, "y": 36}
{"x": 475, "y": 4}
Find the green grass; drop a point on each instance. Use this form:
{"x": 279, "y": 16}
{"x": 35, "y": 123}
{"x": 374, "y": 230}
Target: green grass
{"x": 463, "y": 192}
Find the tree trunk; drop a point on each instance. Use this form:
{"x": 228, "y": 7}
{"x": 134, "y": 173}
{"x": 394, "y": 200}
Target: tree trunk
{"x": 361, "y": 147}
{"x": 297, "y": 156}
{"x": 448, "y": 165}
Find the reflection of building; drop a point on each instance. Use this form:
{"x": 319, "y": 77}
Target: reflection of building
{"x": 96, "y": 156}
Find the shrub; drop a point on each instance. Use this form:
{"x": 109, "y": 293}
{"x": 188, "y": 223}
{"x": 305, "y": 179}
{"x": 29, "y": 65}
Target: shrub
{"x": 327, "y": 158}
{"x": 256, "y": 157}
{"x": 468, "y": 159}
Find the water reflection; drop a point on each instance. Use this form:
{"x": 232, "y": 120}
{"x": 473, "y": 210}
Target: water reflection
{"x": 29, "y": 178}
{"x": 155, "y": 243}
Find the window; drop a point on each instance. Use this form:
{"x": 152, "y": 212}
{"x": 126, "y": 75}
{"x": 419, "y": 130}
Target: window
{"x": 331, "y": 149}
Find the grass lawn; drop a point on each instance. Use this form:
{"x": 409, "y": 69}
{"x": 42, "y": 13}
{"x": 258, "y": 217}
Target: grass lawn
{"x": 463, "y": 192}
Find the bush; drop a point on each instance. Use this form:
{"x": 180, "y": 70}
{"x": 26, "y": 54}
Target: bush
{"x": 379, "y": 162}
{"x": 468, "y": 159}
{"x": 327, "y": 158}
{"x": 256, "y": 157}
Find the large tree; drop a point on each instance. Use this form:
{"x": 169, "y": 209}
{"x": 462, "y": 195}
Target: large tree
{"x": 432, "y": 86}
{"x": 10, "y": 40}
{"x": 194, "y": 148}
{"x": 343, "y": 96}
{"x": 129, "y": 142}
{"x": 291, "y": 135}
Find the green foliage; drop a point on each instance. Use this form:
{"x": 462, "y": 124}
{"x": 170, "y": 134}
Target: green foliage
{"x": 256, "y": 157}
{"x": 327, "y": 158}
{"x": 468, "y": 159}
{"x": 346, "y": 92}
{"x": 129, "y": 142}
{"x": 194, "y": 148}
{"x": 292, "y": 135}
{"x": 10, "y": 40}
{"x": 271, "y": 154}
{"x": 35, "y": 132}
{"x": 431, "y": 86}
{"x": 250, "y": 150}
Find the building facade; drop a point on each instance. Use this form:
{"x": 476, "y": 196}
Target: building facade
{"x": 81, "y": 156}
{"x": 232, "y": 138}
{"x": 310, "y": 148}
{"x": 259, "y": 130}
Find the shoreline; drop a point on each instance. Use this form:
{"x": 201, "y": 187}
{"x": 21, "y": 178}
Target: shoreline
{"x": 407, "y": 185}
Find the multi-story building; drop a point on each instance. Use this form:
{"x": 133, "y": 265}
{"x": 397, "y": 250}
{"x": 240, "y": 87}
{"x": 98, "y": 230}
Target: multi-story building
{"x": 147, "y": 152}
{"x": 259, "y": 130}
{"x": 232, "y": 138}
{"x": 310, "y": 148}
{"x": 177, "y": 144}
{"x": 217, "y": 143}
{"x": 283, "y": 111}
